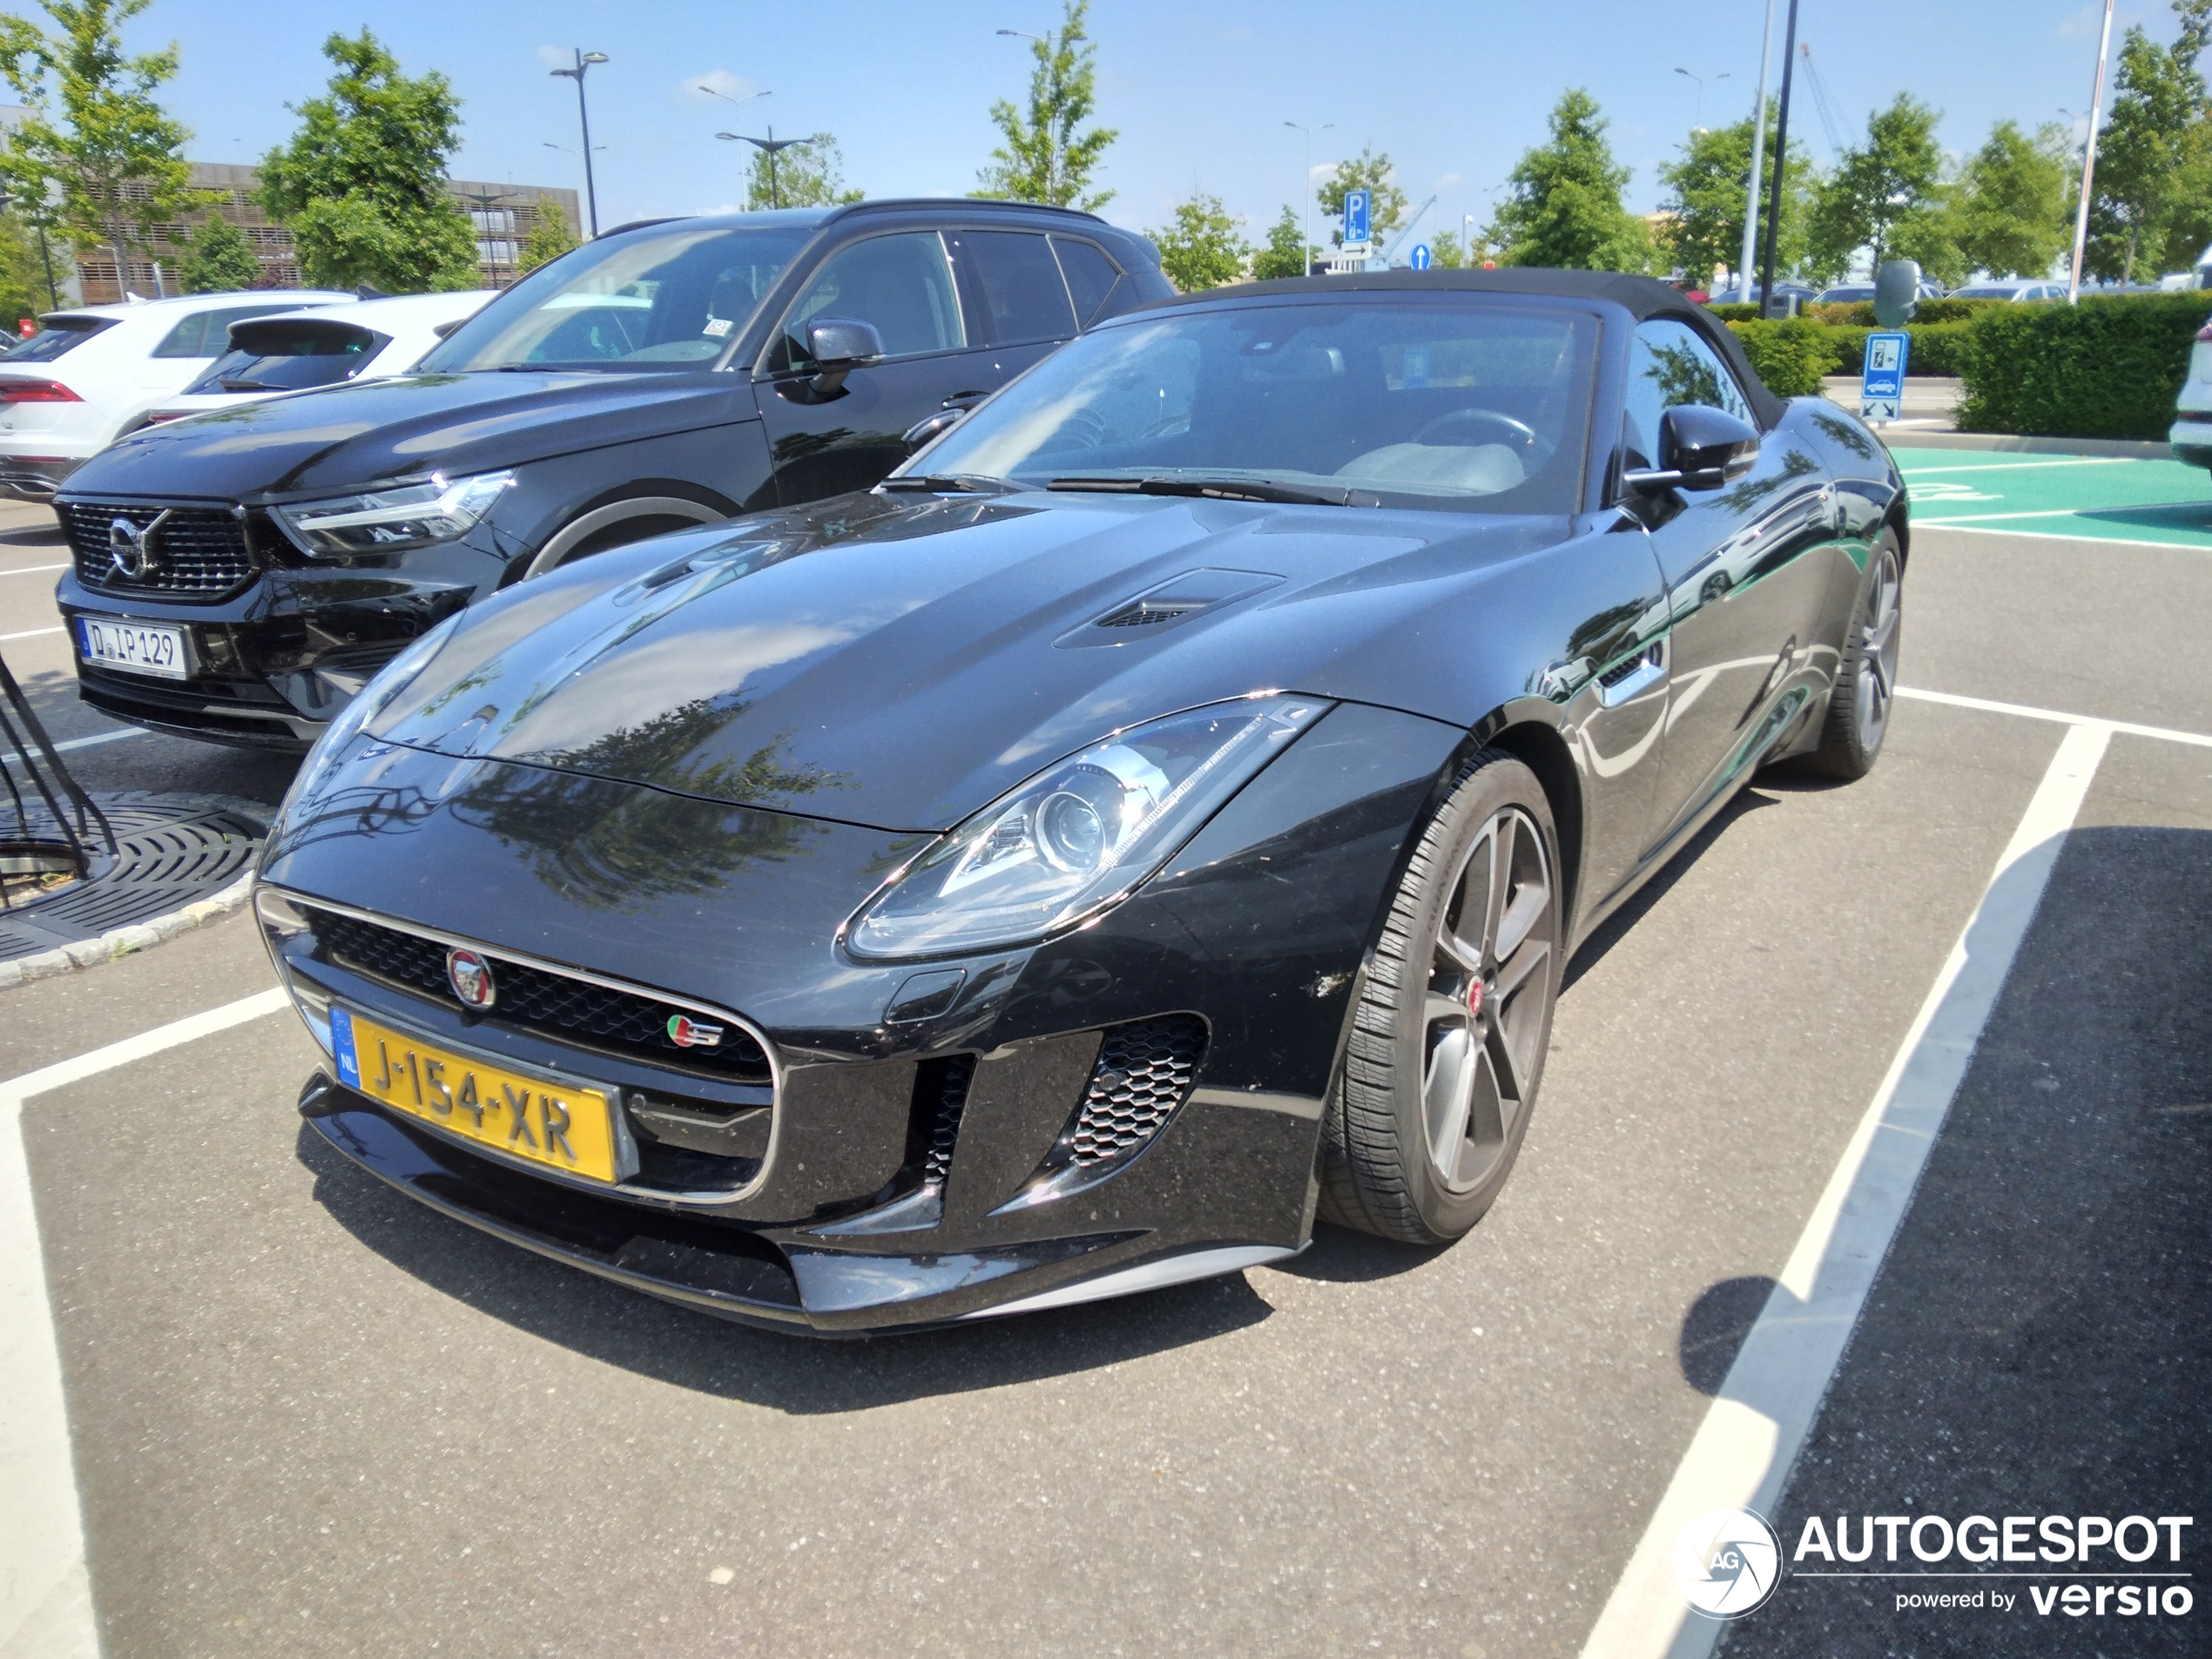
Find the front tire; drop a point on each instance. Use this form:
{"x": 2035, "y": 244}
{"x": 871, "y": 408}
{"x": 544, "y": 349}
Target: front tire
{"x": 1858, "y": 708}
{"x": 1452, "y": 1017}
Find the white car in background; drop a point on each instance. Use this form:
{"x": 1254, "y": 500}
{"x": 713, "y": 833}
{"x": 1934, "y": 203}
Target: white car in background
{"x": 297, "y": 351}
{"x": 91, "y": 374}
{"x": 2191, "y": 435}
{"x": 2018, "y": 292}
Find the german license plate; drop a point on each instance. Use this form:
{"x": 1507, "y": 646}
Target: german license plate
{"x": 136, "y": 648}
{"x": 546, "y": 1121}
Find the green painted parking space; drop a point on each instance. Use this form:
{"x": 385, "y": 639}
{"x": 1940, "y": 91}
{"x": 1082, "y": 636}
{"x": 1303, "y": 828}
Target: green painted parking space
{"x": 2096, "y": 496}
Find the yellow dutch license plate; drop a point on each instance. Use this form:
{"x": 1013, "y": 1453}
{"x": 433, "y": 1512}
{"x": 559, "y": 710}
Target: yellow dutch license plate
{"x": 549, "y": 1121}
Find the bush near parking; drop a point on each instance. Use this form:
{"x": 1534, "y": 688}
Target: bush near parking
{"x": 2105, "y": 369}
{"x": 1792, "y": 353}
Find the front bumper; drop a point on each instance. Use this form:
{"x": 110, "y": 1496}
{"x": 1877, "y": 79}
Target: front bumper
{"x": 919, "y": 1170}
{"x": 2191, "y": 437}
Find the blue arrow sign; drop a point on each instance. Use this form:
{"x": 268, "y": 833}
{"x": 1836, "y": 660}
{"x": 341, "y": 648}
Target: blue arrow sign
{"x": 1422, "y": 258}
{"x": 1359, "y": 210}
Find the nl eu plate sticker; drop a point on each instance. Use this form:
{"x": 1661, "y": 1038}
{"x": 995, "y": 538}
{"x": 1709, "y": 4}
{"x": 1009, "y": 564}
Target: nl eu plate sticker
{"x": 342, "y": 1047}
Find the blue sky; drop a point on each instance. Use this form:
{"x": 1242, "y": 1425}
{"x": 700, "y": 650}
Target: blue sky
{"x": 1200, "y": 90}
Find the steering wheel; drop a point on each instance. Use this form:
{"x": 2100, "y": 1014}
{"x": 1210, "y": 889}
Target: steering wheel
{"x": 1519, "y": 435}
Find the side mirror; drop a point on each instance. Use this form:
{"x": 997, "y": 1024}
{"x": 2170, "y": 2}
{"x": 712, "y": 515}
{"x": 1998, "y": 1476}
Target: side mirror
{"x": 1896, "y": 293}
{"x": 839, "y": 345}
{"x": 1700, "y": 448}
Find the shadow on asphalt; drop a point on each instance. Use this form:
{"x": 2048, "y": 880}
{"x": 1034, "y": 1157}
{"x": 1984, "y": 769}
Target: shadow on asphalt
{"x": 791, "y": 1373}
{"x": 1343, "y": 1256}
{"x": 2036, "y": 1341}
{"x": 49, "y": 534}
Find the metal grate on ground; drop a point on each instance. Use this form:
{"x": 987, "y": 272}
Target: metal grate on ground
{"x": 172, "y": 851}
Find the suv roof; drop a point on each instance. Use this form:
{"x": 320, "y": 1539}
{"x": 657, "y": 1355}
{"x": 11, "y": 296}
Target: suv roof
{"x": 964, "y": 205}
{"x": 197, "y": 302}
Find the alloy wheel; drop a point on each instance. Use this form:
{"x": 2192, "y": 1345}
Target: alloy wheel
{"x": 1878, "y": 650}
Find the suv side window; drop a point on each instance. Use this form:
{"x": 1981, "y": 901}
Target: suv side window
{"x": 900, "y": 283}
{"x": 206, "y": 333}
{"x": 1670, "y": 365}
{"x": 1090, "y": 276}
{"x": 1023, "y": 289}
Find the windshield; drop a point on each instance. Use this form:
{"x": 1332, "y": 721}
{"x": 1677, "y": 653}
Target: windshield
{"x": 280, "y": 359}
{"x": 666, "y": 296}
{"x": 57, "y": 335}
{"x": 1472, "y": 406}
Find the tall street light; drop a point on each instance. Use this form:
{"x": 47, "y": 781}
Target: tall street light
{"x": 1306, "y": 190}
{"x": 1697, "y": 121}
{"x": 2089, "y": 162}
{"x": 768, "y": 147}
{"x": 1758, "y": 159}
{"x": 584, "y": 61}
{"x": 1781, "y": 166}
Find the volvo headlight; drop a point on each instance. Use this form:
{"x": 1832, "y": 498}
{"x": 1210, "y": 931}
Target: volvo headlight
{"x": 1078, "y": 837}
{"x": 391, "y": 520}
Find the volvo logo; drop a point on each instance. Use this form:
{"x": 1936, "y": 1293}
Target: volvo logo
{"x": 470, "y": 976}
{"x": 130, "y": 546}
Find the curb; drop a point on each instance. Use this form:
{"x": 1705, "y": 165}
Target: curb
{"x": 2131, "y": 449}
{"x": 122, "y": 941}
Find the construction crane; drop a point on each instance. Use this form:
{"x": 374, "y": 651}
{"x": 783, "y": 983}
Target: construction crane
{"x": 1823, "y": 104}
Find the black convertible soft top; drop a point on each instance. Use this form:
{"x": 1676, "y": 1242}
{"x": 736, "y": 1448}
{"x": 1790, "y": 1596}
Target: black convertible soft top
{"x": 1640, "y": 296}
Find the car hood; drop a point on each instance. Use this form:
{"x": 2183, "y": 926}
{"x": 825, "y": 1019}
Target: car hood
{"x": 342, "y": 437}
{"x": 899, "y": 664}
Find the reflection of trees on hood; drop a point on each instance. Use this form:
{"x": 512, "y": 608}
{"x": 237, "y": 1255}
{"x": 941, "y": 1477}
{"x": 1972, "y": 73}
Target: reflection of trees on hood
{"x": 1752, "y": 492}
{"x": 617, "y": 845}
{"x": 1846, "y": 434}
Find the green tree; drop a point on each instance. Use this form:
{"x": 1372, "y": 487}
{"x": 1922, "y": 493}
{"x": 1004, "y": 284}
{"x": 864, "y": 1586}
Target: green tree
{"x": 114, "y": 166}
{"x": 1202, "y": 248}
{"x": 809, "y": 174}
{"x": 2152, "y": 144}
{"x": 1286, "y": 252}
{"x": 1885, "y": 194}
{"x": 1563, "y": 206}
{"x": 219, "y": 260}
{"x": 1445, "y": 253}
{"x": 2009, "y": 215}
{"x": 1706, "y": 185}
{"x": 23, "y": 275}
{"x": 550, "y": 238}
{"x": 361, "y": 185}
{"x": 1044, "y": 159}
{"x": 1375, "y": 174}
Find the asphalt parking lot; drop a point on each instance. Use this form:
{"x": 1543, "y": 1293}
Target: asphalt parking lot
{"x": 308, "y": 1417}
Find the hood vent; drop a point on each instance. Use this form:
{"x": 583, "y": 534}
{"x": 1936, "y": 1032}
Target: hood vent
{"x": 1169, "y": 602}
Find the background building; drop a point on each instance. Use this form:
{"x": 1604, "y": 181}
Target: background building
{"x": 503, "y": 216}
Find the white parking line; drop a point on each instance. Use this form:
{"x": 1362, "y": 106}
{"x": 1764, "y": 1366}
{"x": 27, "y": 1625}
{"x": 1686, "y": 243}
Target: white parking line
{"x": 1741, "y": 1454}
{"x": 2128, "y": 728}
{"x": 100, "y": 736}
{"x": 1998, "y": 466}
{"x": 2056, "y": 535}
{"x": 35, "y": 633}
{"x": 45, "y": 1597}
{"x": 32, "y": 570}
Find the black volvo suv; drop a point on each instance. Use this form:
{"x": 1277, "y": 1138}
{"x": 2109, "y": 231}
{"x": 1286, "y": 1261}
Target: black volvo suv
{"x": 238, "y": 576}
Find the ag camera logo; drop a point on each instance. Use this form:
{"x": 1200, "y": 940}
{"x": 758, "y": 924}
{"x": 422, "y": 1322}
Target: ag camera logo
{"x": 1727, "y": 1563}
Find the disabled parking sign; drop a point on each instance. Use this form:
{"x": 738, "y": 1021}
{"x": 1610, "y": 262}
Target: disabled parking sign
{"x": 1881, "y": 383}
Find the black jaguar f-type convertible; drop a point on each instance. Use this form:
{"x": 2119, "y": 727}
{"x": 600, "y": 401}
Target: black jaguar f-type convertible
{"x": 1159, "y": 814}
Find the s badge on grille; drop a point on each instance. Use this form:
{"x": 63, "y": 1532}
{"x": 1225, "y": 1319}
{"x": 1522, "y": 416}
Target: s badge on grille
{"x": 687, "y": 1033}
{"x": 470, "y": 976}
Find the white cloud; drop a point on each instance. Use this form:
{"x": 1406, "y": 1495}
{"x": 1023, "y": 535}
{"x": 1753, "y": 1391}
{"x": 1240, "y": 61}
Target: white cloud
{"x": 556, "y": 57}
{"x": 1452, "y": 181}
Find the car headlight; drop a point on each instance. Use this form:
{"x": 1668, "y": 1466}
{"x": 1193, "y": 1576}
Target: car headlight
{"x": 1078, "y": 837}
{"x": 391, "y": 520}
{"x": 390, "y": 680}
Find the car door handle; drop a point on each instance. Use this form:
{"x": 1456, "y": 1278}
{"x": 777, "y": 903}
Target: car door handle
{"x": 930, "y": 425}
{"x": 1624, "y": 681}
{"x": 963, "y": 400}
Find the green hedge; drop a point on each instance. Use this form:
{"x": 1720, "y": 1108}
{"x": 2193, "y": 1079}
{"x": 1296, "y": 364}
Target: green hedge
{"x": 1791, "y": 354}
{"x": 2105, "y": 369}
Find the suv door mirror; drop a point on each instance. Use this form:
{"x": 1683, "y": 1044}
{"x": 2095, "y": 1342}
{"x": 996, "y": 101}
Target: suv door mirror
{"x": 1700, "y": 448}
{"x": 839, "y": 345}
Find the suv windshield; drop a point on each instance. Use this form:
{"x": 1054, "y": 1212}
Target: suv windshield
{"x": 1477, "y": 406}
{"x": 288, "y": 357}
{"x": 55, "y": 336}
{"x": 666, "y": 297}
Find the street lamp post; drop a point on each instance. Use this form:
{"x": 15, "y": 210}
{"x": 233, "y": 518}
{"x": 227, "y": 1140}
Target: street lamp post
{"x": 1697, "y": 121}
{"x": 1781, "y": 166}
{"x": 1306, "y": 190}
{"x": 584, "y": 61}
{"x": 768, "y": 147}
{"x": 2089, "y": 163}
{"x": 1758, "y": 160}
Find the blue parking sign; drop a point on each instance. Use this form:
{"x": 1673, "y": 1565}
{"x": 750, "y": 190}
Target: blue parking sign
{"x": 1358, "y": 210}
{"x": 1881, "y": 384}
{"x": 1422, "y": 257}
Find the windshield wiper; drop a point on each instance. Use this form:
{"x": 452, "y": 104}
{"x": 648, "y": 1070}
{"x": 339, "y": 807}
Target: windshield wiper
{"x": 248, "y": 386}
{"x": 1222, "y": 489}
{"x": 964, "y": 484}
